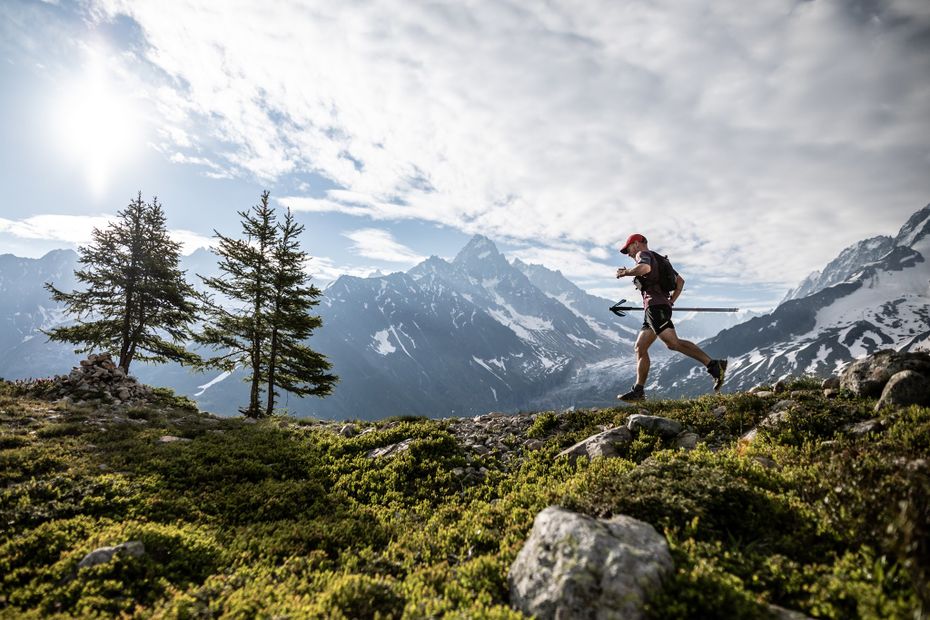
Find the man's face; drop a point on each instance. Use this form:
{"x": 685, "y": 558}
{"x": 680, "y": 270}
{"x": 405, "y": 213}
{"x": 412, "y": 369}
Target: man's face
{"x": 632, "y": 249}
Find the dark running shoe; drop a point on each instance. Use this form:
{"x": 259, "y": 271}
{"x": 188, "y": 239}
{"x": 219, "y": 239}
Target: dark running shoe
{"x": 717, "y": 370}
{"x": 637, "y": 393}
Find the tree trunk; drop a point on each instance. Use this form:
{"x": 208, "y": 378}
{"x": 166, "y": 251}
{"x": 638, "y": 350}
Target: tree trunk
{"x": 272, "y": 359}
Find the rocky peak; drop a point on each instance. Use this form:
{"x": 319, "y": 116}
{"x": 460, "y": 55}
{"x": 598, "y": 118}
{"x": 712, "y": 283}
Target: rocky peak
{"x": 915, "y": 229}
{"x": 480, "y": 254}
{"x": 849, "y": 262}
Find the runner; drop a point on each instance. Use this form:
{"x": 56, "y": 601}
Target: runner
{"x": 658, "y": 320}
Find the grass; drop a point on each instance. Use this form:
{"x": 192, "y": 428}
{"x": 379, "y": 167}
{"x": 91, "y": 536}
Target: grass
{"x": 286, "y": 518}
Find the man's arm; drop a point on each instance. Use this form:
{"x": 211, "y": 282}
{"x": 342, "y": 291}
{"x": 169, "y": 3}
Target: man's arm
{"x": 639, "y": 270}
{"x": 679, "y": 285}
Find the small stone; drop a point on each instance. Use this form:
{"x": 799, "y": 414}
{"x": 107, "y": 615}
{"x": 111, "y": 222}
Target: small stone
{"x": 172, "y": 439}
{"x": 607, "y": 444}
{"x": 686, "y": 440}
{"x": 392, "y": 450}
{"x": 533, "y": 444}
{"x": 102, "y": 555}
{"x": 765, "y": 462}
{"x": 783, "y": 405}
{"x": 864, "y": 428}
{"x": 764, "y": 393}
{"x": 719, "y": 411}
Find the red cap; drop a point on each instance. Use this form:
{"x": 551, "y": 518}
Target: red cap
{"x": 631, "y": 239}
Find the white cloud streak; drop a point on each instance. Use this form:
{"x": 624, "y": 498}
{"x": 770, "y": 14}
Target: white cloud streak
{"x": 378, "y": 244}
{"x": 77, "y": 230}
{"x": 74, "y": 229}
{"x": 727, "y": 135}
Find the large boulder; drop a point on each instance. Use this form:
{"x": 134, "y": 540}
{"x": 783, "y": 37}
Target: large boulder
{"x": 868, "y": 376}
{"x": 610, "y": 443}
{"x": 574, "y": 566}
{"x": 905, "y": 388}
{"x": 665, "y": 427}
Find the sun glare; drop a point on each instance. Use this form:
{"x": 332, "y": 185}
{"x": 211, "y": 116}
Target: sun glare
{"x": 96, "y": 125}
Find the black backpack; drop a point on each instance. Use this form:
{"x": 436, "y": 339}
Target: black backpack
{"x": 666, "y": 279}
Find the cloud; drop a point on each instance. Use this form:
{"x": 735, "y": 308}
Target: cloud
{"x": 325, "y": 271}
{"x": 725, "y": 135}
{"x": 78, "y": 229}
{"x": 190, "y": 241}
{"x": 378, "y": 244}
{"x": 74, "y": 229}
{"x": 574, "y": 261}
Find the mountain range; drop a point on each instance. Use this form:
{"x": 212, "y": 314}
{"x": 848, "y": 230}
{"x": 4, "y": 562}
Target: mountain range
{"x": 470, "y": 335}
{"x": 482, "y": 333}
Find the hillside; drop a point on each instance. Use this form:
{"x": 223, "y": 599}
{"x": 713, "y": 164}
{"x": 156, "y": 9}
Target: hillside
{"x": 814, "y": 511}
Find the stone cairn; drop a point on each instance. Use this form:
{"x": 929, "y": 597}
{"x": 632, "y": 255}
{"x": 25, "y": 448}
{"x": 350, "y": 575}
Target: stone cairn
{"x": 98, "y": 379}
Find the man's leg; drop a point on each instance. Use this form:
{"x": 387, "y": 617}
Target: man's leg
{"x": 670, "y": 337}
{"x": 716, "y": 368}
{"x": 643, "y": 342}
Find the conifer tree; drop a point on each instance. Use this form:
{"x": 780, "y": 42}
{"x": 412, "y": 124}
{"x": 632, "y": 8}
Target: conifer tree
{"x": 137, "y": 304}
{"x": 292, "y": 365}
{"x": 262, "y": 317}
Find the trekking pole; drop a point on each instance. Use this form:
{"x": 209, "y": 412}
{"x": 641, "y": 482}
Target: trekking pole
{"x": 620, "y": 310}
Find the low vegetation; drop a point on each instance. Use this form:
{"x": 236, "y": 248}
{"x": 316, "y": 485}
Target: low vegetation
{"x": 287, "y": 518}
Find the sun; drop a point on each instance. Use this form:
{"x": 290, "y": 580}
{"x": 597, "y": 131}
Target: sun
{"x": 96, "y": 124}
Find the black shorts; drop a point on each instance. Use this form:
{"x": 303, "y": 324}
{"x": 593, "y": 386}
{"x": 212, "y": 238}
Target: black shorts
{"x": 658, "y": 318}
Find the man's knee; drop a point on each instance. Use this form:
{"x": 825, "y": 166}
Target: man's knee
{"x": 673, "y": 344}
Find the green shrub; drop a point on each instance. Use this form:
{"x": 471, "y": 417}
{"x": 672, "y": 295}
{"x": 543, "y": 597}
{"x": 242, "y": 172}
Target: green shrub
{"x": 542, "y": 425}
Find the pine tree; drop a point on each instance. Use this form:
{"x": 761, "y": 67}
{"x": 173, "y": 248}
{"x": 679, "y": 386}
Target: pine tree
{"x": 137, "y": 304}
{"x": 292, "y": 365}
{"x": 262, "y": 318}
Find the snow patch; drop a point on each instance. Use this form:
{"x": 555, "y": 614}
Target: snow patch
{"x": 212, "y": 382}
{"x": 382, "y": 345}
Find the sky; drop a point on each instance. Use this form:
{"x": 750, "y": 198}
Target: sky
{"x": 751, "y": 142}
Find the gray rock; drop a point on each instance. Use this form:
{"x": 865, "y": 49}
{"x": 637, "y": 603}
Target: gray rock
{"x": 905, "y": 388}
{"x": 770, "y": 421}
{"x": 607, "y": 444}
{"x": 831, "y": 393}
{"x": 573, "y": 566}
{"x": 864, "y": 428}
{"x": 348, "y": 430}
{"x": 868, "y": 376}
{"x": 654, "y": 424}
{"x": 780, "y": 613}
{"x": 687, "y": 440}
{"x": 830, "y": 383}
{"x": 765, "y": 462}
{"x": 392, "y": 450}
{"x": 783, "y": 405}
{"x": 764, "y": 393}
{"x": 719, "y": 411}
{"x": 172, "y": 439}
{"x": 133, "y": 548}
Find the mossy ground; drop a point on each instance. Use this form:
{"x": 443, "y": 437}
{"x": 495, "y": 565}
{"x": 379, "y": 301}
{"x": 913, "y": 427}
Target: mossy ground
{"x": 285, "y": 518}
